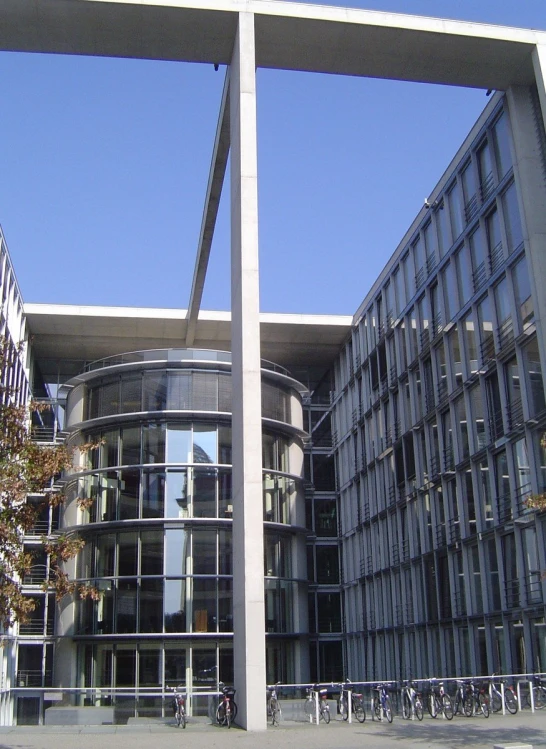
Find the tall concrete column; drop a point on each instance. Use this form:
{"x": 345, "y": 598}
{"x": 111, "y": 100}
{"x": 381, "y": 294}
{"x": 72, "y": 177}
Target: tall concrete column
{"x": 526, "y": 119}
{"x": 248, "y": 547}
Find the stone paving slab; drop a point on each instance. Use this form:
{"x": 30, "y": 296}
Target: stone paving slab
{"x": 460, "y": 733}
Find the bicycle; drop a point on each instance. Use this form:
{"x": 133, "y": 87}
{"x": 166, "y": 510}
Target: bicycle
{"x": 495, "y": 694}
{"x": 314, "y": 693}
{"x": 439, "y": 701}
{"x": 179, "y": 707}
{"x": 477, "y": 700}
{"x": 357, "y": 703}
{"x": 381, "y": 705}
{"x": 538, "y": 690}
{"x": 459, "y": 706}
{"x": 274, "y": 706}
{"x": 412, "y": 701}
{"x": 227, "y": 709}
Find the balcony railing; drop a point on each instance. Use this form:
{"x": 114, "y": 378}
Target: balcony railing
{"x": 479, "y": 276}
{"x": 487, "y": 186}
{"x": 34, "y": 678}
{"x": 511, "y": 592}
{"x": 496, "y": 257}
{"x": 504, "y": 507}
{"x": 505, "y": 334}
{"x": 440, "y": 533}
{"x": 471, "y": 208}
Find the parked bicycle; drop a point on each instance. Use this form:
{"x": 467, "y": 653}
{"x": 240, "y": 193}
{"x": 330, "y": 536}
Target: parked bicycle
{"x": 381, "y": 703}
{"x": 538, "y": 690}
{"x": 439, "y": 702}
{"x": 227, "y": 708}
{"x": 178, "y": 705}
{"x": 495, "y": 694}
{"x": 274, "y": 706}
{"x": 459, "y": 704}
{"x": 357, "y": 702}
{"x": 315, "y": 694}
{"x": 476, "y": 700}
{"x": 412, "y": 701}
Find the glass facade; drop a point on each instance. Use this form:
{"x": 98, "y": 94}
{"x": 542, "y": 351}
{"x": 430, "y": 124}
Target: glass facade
{"x": 434, "y": 470}
{"x": 153, "y": 502}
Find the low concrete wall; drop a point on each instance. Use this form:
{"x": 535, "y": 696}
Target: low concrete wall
{"x": 64, "y": 715}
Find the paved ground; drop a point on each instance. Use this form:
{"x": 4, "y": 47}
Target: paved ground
{"x": 477, "y": 733}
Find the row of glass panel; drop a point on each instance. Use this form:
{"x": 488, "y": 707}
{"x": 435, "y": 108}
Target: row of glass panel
{"x": 133, "y": 493}
{"x": 451, "y": 215}
{"x": 489, "y": 326}
{"x": 193, "y": 604}
{"x": 483, "y": 495}
{"x": 160, "y": 442}
{"x": 503, "y": 398}
{"x": 468, "y": 648}
{"x": 174, "y": 390}
{"x": 175, "y": 552}
{"x": 196, "y": 666}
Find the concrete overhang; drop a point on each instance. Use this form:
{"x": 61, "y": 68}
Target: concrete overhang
{"x": 288, "y": 36}
{"x": 64, "y": 336}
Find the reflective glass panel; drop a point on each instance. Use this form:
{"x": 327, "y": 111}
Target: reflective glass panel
{"x": 177, "y": 552}
{"x": 204, "y": 492}
{"x": 176, "y": 606}
{"x": 178, "y": 443}
{"x": 177, "y": 494}
{"x": 204, "y": 444}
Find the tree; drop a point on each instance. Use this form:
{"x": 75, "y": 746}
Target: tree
{"x": 27, "y": 467}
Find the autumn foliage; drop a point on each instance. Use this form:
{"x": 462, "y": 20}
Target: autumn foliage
{"x": 26, "y": 467}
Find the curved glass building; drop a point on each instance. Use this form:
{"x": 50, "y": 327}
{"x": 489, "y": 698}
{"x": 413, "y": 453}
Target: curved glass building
{"x": 158, "y": 530}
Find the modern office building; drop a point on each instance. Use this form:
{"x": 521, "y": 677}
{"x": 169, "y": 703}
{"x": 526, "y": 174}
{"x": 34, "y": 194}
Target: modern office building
{"x": 298, "y": 498}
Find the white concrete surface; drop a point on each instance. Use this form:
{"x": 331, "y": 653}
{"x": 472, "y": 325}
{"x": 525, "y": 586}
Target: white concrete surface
{"x": 248, "y": 546}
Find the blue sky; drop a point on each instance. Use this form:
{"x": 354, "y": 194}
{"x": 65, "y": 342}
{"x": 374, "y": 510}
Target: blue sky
{"x": 105, "y": 164}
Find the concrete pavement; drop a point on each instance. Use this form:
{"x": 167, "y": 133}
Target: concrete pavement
{"x": 478, "y": 733}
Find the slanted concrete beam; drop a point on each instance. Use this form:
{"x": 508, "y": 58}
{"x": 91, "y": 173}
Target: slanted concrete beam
{"x": 210, "y": 211}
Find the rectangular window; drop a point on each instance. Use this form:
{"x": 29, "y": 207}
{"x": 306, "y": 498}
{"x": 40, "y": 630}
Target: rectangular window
{"x": 512, "y": 220}
{"x": 478, "y": 418}
{"x": 522, "y": 288}
{"x": 533, "y": 369}
{"x": 494, "y": 241}
{"x": 464, "y": 276}
{"x": 501, "y": 139}
{"x": 470, "y": 344}
{"x": 455, "y": 211}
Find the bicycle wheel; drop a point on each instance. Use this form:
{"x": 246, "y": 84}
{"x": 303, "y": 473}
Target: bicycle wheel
{"x": 343, "y": 708}
{"x": 221, "y": 714}
{"x": 375, "y": 709}
{"x": 183, "y": 719}
{"x": 388, "y": 710}
{"x": 540, "y": 697}
{"x": 468, "y": 706}
{"x": 447, "y": 706}
{"x": 432, "y": 706}
{"x": 510, "y": 701}
{"x": 178, "y": 717}
{"x": 358, "y": 711}
{"x": 419, "y": 708}
{"x": 483, "y": 703}
{"x": 274, "y": 712}
{"x": 325, "y": 713}
{"x": 233, "y": 705}
{"x": 228, "y": 716}
{"x": 496, "y": 702}
{"x": 406, "y": 706}
{"x": 309, "y": 708}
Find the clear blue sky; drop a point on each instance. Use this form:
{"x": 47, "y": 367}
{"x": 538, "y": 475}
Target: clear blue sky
{"x": 104, "y": 165}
